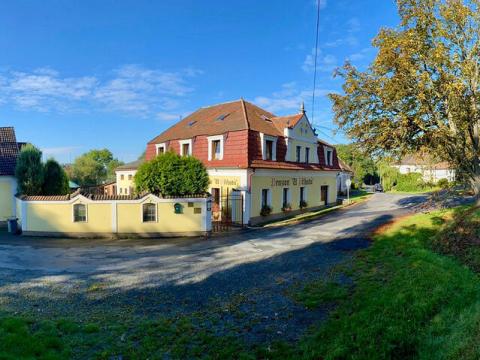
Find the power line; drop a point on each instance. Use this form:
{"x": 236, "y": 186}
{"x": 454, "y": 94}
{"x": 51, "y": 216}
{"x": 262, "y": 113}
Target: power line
{"x": 315, "y": 60}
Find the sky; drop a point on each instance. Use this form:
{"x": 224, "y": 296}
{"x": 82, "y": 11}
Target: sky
{"x": 82, "y": 74}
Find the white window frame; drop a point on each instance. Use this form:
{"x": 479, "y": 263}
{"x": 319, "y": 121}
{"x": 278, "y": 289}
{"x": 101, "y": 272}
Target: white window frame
{"x": 305, "y": 193}
{"x": 269, "y": 197}
{"x": 307, "y": 151}
{"x": 289, "y": 195}
{"x": 73, "y": 213}
{"x": 211, "y": 139}
{"x": 156, "y": 213}
{"x": 160, "y": 146}
{"x": 327, "y": 159}
{"x": 264, "y": 138}
{"x": 298, "y": 156}
{"x": 183, "y": 142}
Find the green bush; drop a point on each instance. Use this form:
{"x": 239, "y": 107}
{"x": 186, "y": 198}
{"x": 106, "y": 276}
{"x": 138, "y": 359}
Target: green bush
{"x": 410, "y": 182}
{"x": 29, "y": 171}
{"x": 55, "y": 179}
{"x": 171, "y": 174}
{"x": 443, "y": 183}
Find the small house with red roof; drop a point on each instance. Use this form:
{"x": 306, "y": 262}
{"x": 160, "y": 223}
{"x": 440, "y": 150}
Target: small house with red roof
{"x": 261, "y": 166}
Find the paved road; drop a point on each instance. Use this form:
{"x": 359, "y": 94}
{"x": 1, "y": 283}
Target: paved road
{"x": 184, "y": 275}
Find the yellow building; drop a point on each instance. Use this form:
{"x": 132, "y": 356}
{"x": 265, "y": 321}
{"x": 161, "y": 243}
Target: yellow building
{"x": 80, "y": 215}
{"x": 261, "y": 166}
{"x": 9, "y": 149}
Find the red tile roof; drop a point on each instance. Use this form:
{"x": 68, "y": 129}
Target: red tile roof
{"x": 424, "y": 160}
{"x": 102, "y": 197}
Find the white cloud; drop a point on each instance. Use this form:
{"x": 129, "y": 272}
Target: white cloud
{"x": 348, "y": 38}
{"x": 325, "y": 62}
{"x": 130, "y": 89}
{"x": 288, "y": 98}
{"x": 165, "y": 116}
{"x": 59, "y": 150}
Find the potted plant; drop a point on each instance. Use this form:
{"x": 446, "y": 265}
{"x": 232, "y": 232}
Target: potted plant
{"x": 286, "y": 207}
{"x": 303, "y": 204}
{"x": 266, "y": 210}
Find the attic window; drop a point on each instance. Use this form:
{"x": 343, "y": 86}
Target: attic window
{"x": 266, "y": 118}
{"x": 221, "y": 117}
{"x": 191, "y": 123}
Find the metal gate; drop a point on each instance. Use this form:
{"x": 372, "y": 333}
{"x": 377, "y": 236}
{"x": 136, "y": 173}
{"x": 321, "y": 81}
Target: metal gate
{"x": 227, "y": 212}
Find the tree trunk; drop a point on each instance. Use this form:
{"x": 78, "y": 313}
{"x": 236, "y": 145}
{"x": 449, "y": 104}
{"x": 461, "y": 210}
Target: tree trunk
{"x": 476, "y": 188}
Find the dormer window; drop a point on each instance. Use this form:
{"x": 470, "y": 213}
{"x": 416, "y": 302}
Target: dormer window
{"x": 185, "y": 147}
{"x": 161, "y": 148}
{"x": 268, "y": 150}
{"x": 328, "y": 156}
{"x": 215, "y": 147}
{"x": 269, "y": 147}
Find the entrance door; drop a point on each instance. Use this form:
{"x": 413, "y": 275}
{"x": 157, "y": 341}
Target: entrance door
{"x": 324, "y": 194}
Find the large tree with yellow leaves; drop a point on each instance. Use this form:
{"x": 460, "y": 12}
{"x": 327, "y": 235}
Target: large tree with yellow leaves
{"x": 422, "y": 91}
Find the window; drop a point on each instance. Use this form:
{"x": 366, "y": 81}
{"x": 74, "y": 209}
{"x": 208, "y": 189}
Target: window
{"x": 185, "y": 147}
{"x": 299, "y": 151}
{"x": 329, "y": 159}
{"x": 130, "y": 177}
{"x": 307, "y": 155}
{"x": 302, "y": 194}
{"x": 79, "y": 213}
{"x": 215, "y": 147}
{"x": 122, "y": 177}
{"x": 216, "y": 150}
{"x": 285, "y": 197}
{"x": 324, "y": 194}
{"x": 149, "y": 212}
{"x": 268, "y": 150}
{"x": 265, "y": 201}
{"x": 160, "y": 148}
{"x": 130, "y": 190}
{"x": 121, "y": 190}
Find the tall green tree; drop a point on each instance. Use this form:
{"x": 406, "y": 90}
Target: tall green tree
{"x": 94, "y": 167}
{"x": 29, "y": 171}
{"x": 55, "y": 179}
{"x": 422, "y": 91}
{"x": 362, "y": 164}
{"x": 171, "y": 174}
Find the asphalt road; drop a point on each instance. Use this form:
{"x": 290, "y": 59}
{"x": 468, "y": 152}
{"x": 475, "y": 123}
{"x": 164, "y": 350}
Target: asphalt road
{"x": 254, "y": 270}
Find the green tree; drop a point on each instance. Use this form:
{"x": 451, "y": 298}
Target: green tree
{"x": 362, "y": 164}
{"x": 422, "y": 91}
{"x": 94, "y": 167}
{"x": 55, "y": 179}
{"x": 29, "y": 171}
{"x": 171, "y": 174}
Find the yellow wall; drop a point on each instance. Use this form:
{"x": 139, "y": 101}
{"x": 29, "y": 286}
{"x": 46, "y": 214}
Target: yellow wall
{"x": 58, "y": 217}
{"x": 6, "y": 198}
{"x": 294, "y": 184}
{"x": 130, "y": 218}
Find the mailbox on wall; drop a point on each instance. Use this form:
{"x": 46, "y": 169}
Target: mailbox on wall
{"x": 178, "y": 208}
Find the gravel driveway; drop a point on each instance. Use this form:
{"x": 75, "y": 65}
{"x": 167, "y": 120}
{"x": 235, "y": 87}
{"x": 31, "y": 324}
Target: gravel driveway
{"x": 253, "y": 270}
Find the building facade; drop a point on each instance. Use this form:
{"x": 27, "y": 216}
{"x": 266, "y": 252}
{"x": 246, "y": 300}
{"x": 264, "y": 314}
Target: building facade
{"x": 346, "y": 173}
{"x": 276, "y": 165}
{"x": 9, "y": 150}
{"x": 431, "y": 170}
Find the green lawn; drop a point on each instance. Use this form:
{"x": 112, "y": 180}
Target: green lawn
{"x": 411, "y": 294}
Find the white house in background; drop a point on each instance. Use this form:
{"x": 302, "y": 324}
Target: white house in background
{"x": 430, "y": 169}
{"x": 346, "y": 173}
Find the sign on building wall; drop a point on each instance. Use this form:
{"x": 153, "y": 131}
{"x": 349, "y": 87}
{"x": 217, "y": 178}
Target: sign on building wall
{"x": 295, "y": 181}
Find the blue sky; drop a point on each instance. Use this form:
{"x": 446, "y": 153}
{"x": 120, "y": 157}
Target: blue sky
{"x": 77, "y": 75}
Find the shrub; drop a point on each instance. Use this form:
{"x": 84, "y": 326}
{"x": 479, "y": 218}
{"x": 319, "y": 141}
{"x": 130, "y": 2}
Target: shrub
{"x": 286, "y": 207}
{"x": 171, "y": 174}
{"x": 29, "y": 171}
{"x": 303, "y": 204}
{"x": 55, "y": 179}
{"x": 266, "y": 210}
{"x": 410, "y": 182}
{"x": 443, "y": 183}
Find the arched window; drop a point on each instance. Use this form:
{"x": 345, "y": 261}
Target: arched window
{"x": 79, "y": 213}
{"x": 149, "y": 213}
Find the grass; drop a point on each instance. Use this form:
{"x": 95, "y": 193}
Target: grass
{"x": 408, "y": 302}
{"x": 408, "y": 296}
{"x": 360, "y": 196}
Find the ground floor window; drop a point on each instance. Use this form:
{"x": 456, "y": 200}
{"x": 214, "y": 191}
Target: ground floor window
{"x": 324, "y": 194}
{"x": 265, "y": 197}
{"x": 285, "y": 198}
{"x": 149, "y": 212}
{"x": 79, "y": 213}
{"x": 216, "y": 195}
{"x": 302, "y": 195}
